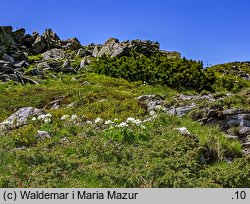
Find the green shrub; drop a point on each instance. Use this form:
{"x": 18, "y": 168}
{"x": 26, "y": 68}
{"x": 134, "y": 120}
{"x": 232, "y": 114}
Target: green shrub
{"x": 175, "y": 73}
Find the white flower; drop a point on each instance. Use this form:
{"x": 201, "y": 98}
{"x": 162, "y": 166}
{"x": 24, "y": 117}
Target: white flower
{"x": 64, "y": 117}
{"x": 133, "y": 121}
{"x": 48, "y": 115}
{"x": 41, "y": 117}
{"x": 89, "y": 122}
{"x": 47, "y": 120}
{"x": 74, "y": 117}
{"x": 98, "y": 120}
{"x": 122, "y": 124}
{"x": 108, "y": 122}
{"x": 152, "y": 113}
{"x": 33, "y": 119}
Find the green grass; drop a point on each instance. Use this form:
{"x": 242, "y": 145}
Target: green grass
{"x": 96, "y": 156}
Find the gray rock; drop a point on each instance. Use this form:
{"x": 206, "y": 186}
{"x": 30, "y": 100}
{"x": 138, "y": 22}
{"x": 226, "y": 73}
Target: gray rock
{"x": 183, "y": 131}
{"x": 54, "y": 105}
{"x": 244, "y": 130}
{"x": 244, "y": 119}
{"x": 5, "y": 67}
{"x": 19, "y": 55}
{"x": 54, "y": 54}
{"x": 42, "y": 134}
{"x": 5, "y": 36}
{"x": 72, "y": 43}
{"x": 43, "y": 66}
{"x": 21, "y": 64}
{"x": 52, "y": 39}
{"x": 81, "y": 52}
{"x": 95, "y": 51}
{"x": 66, "y": 67}
{"x": 248, "y": 138}
{"x": 18, "y": 35}
{"x": 187, "y": 97}
{"x": 171, "y": 111}
{"x": 39, "y": 45}
{"x": 234, "y": 121}
{"x": 150, "y": 102}
{"x": 234, "y": 112}
{"x": 85, "y": 61}
{"x": 180, "y": 111}
{"x": 28, "y": 40}
{"x": 8, "y": 58}
{"x": 20, "y": 118}
{"x": 112, "y": 47}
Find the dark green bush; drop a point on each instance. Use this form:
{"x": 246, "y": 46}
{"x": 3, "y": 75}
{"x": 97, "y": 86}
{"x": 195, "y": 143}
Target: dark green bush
{"x": 176, "y": 73}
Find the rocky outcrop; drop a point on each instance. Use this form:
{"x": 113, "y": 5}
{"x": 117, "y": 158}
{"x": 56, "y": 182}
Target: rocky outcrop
{"x": 113, "y": 48}
{"x": 16, "y": 46}
{"x": 20, "y": 118}
{"x": 234, "y": 122}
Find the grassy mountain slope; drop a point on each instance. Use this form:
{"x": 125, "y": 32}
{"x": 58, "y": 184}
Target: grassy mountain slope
{"x": 81, "y": 154}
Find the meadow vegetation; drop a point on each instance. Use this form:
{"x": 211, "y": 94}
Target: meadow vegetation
{"x": 99, "y": 137}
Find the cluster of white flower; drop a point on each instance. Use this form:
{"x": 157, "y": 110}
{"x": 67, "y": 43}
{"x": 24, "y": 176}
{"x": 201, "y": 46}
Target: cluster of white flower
{"x": 122, "y": 124}
{"x": 45, "y": 117}
{"x": 108, "y": 122}
{"x": 131, "y": 120}
{"x": 64, "y": 117}
{"x": 74, "y": 117}
{"x": 115, "y": 123}
{"x": 98, "y": 120}
{"x": 89, "y": 122}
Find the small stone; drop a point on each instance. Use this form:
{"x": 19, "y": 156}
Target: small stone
{"x": 183, "y": 131}
{"x": 244, "y": 130}
{"x": 42, "y": 134}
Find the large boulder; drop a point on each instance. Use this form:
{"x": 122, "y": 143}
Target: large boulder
{"x": 5, "y": 67}
{"x": 51, "y": 38}
{"x": 72, "y": 43}
{"x": 28, "y": 40}
{"x": 5, "y": 36}
{"x": 8, "y": 58}
{"x": 39, "y": 45}
{"x": 112, "y": 47}
{"x": 20, "y": 118}
{"x": 18, "y": 35}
